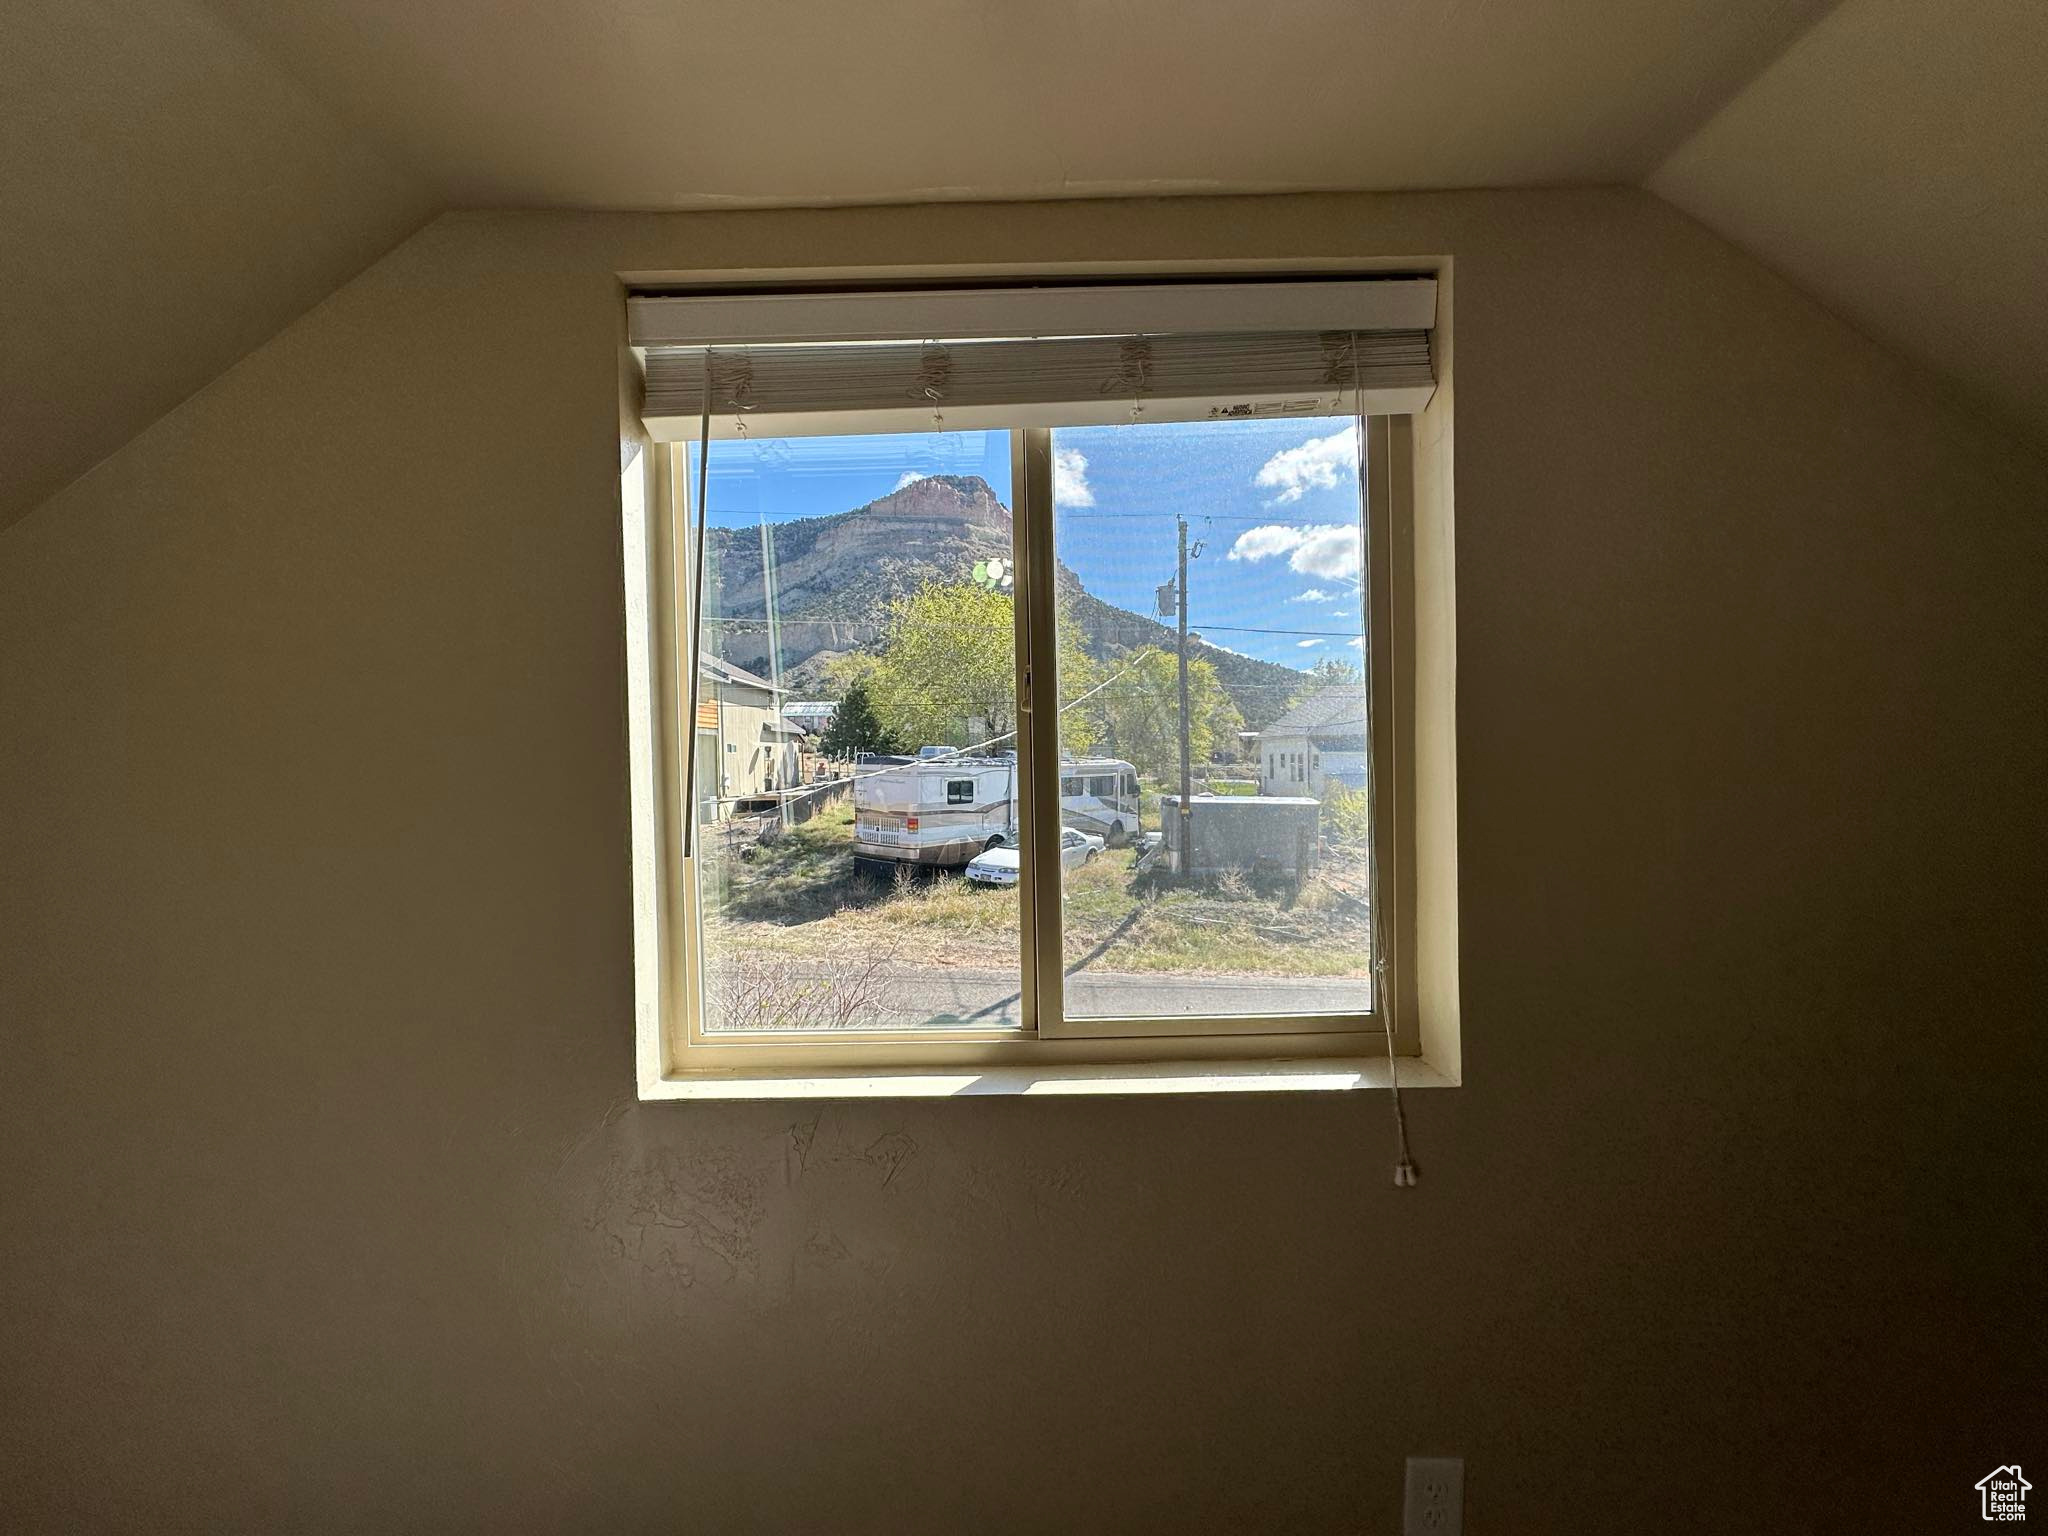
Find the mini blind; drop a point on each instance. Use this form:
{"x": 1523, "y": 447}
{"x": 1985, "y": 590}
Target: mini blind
{"x": 780, "y": 365}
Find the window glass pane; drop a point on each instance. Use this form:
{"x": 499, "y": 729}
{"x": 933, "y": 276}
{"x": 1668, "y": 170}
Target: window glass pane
{"x": 1268, "y": 915}
{"x": 855, "y": 757}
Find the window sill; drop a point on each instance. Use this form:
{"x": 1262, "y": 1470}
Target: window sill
{"x": 1338, "y": 1074}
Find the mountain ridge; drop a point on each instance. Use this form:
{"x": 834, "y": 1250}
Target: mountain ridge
{"x": 835, "y": 575}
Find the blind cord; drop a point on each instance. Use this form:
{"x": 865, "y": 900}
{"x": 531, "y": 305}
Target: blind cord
{"x": 1406, "y": 1173}
{"x": 697, "y": 617}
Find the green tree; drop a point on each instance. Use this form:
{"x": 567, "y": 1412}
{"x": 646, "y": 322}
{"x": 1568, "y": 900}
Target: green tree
{"x": 946, "y": 674}
{"x": 947, "y": 669}
{"x": 947, "y": 666}
{"x": 855, "y": 727}
{"x": 1141, "y": 709}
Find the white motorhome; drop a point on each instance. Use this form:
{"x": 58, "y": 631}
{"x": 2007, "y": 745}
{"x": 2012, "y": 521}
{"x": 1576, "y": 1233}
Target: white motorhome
{"x": 936, "y": 809}
{"x": 941, "y": 810}
{"x": 1100, "y": 795}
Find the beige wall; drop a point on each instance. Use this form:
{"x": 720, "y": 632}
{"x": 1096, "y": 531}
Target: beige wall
{"x": 330, "y": 1206}
{"x": 169, "y": 197}
{"x": 1895, "y": 160}
{"x": 748, "y": 756}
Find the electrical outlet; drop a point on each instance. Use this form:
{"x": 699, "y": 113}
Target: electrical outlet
{"x": 1435, "y": 1501}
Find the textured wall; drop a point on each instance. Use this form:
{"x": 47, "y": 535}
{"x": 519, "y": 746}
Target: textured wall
{"x": 330, "y": 1206}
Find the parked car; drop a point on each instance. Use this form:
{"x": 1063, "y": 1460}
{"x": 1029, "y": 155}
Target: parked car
{"x": 1001, "y": 866}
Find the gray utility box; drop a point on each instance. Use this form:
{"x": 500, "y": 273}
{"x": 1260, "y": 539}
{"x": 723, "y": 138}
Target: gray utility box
{"x": 1250, "y": 834}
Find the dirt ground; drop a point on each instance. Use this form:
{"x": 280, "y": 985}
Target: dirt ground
{"x": 796, "y": 894}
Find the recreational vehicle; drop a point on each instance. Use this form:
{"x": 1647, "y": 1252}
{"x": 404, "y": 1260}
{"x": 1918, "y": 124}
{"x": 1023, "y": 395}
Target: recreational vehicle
{"x": 939, "y": 809}
{"x": 1100, "y": 795}
{"x": 934, "y": 809}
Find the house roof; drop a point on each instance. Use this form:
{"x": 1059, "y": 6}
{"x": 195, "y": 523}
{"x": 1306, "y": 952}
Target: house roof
{"x": 1339, "y": 706}
{"x": 2013, "y": 1471}
{"x": 726, "y": 672}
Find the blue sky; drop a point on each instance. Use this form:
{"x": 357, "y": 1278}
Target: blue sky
{"x": 1273, "y": 504}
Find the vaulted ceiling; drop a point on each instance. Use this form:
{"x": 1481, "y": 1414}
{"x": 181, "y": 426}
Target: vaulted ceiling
{"x": 170, "y": 196}
{"x": 1894, "y": 161}
{"x": 181, "y": 177}
{"x": 640, "y": 104}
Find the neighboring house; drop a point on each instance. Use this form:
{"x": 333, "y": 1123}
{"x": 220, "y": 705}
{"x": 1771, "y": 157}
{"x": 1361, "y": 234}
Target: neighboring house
{"x": 1316, "y": 741}
{"x": 745, "y": 747}
{"x": 2004, "y": 1493}
{"x": 815, "y": 719}
{"x": 814, "y": 715}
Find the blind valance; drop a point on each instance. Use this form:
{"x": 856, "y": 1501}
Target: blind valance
{"x": 797, "y": 364}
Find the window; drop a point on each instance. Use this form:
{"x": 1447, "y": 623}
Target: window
{"x": 1053, "y": 603}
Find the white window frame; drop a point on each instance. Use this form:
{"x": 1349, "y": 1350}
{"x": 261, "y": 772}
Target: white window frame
{"x": 679, "y": 1058}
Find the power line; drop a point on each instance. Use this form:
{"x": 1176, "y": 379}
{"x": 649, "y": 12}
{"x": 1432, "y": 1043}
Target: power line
{"x": 941, "y": 624}
{"x": 1241, "y": 629}
{"x": 955, "y": 753}
{"x": 1206, "y": 517}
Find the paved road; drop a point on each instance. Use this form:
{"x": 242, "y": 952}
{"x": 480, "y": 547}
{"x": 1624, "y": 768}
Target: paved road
{"x": 939, "y": 998}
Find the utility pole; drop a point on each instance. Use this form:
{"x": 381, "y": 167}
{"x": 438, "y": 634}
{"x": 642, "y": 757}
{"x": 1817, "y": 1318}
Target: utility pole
{"x": 1187, "y": 783}
{"x": 772, "y": 606}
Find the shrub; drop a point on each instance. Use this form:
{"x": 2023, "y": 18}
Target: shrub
{"x": 1347, "y": 815}
{"x": 752, "y": 990}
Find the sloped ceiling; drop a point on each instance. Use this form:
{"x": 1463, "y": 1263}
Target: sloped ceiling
{"x": 181, "y": 177}
{"x": 1894, "y": 161}
{"x": 169, "y": 197}
{"x": 629, "y": 104}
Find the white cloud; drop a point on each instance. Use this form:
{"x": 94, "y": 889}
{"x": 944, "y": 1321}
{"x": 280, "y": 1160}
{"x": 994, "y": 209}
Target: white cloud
{"x": 1357, "y": 644}
{"x": 1328, "y": 550}
{"x": 1070, "y": 486}
{"x": 1305, "y": 644}
{"x": 909, "y": 477}
{"x": 1312, "y": 595}
{"x": 1266, "y": 540}
{"x": 1320, "y": 464}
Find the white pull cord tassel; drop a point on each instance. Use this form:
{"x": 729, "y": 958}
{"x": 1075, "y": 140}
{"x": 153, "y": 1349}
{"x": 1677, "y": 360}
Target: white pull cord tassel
{"x": 1406, "y": 1174}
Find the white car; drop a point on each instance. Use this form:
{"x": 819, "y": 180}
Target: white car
{"x": 1002, "y": 866}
